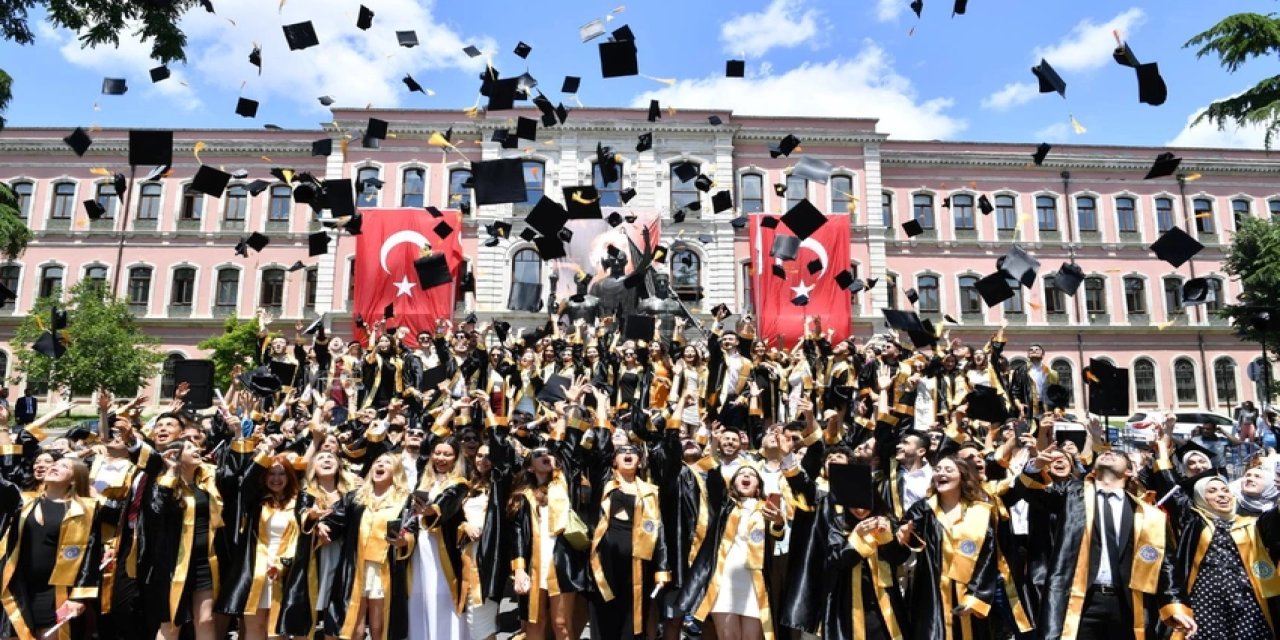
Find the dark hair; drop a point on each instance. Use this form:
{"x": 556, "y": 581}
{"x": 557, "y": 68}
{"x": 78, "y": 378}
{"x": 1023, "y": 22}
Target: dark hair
{"x": 970, "y": 488}
{"x": 839, "y": 449}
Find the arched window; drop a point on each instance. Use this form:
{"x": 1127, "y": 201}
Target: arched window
{"x": 413, "y": 186}
{"x": 526, "y": 281}
{"x": 64, "y": 200}
{"x": 1066, "y": 378}
{"x": 24, "y": 191}
{"x": 1172, "y": 296}
{"x": 139, "y": 287}
{"x": 683, "y": 193}
{"x": 281, "y": 204}
{"x": 534, "y": 176}
{"x": 962, "y": 211}
{"x": 168, "y": 382}
{"x": 97, "y": 274}
{"x": 1224, "y": 379}
{"x": 970, "y": 301}
{"x": 1047, "y": 213}
{"x": 610, "y": 194}
{"x": 51, "y": 281}
{"x": 9, "y": 276}
{"x": 797, "y": 190}
{"x": 1164, "y": 214}
{"x": 751, "y": 194}
{"x": 149, "y": 201}
{"x": 1095, "y": 295}
{"x": 228, "y": 291}
{"x": 1013, "y": 306}
{"x": 1055, "y": 302}
{"x": 459, "y": 192}
{"x": 1087, "y": 213}
{"x": 271, "y": 295}
{"x": 366, "y": 189}
{"x": 183, "y": 290}
{"x": 1202, "y": 211}
{"x": 1144, "y": 381}
{"x": 686, "y": 272}
{"x": 922, "y": 204}
{"x": 891, "y": 290}
{"x": 886, "y": 207}
{"x": 192, "y": 206}
{"x": 1213, "y": 302}
{"x": 841, "y": 193}
{"x": 1184, "y": 381}
{"x": 235, "y": 203}
{"x": 1126, "y": 215}
{"x": 1273, "y": 207}
{"x": 107, "y": 199}
{"x": 1006, "y": 213}
{"x": 1240, "y": 210}
{"x": 927, "y": 287}
{"x": 312, "y": 286}
{"x": 1135, "y": 295}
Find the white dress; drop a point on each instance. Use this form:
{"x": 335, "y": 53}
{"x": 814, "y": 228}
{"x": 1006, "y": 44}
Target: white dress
{"x": 482, "y": 619}
{"x": 737, "y": 593}
{"x": 431, "y": 612}
{"x": 276, "y": 527}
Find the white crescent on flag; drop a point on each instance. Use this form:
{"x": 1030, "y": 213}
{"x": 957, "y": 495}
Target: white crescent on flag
{"x": 400, "y": 237}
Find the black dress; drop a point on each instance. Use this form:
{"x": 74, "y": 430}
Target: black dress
{"x": 612, "y": 619}
{"x": 1225, "y": 606}
{"x": 37, "y": 555}
{"x": 199, "y": 575}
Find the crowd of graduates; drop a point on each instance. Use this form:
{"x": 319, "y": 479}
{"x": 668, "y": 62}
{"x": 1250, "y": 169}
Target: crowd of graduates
{"x": 716, "y": 484}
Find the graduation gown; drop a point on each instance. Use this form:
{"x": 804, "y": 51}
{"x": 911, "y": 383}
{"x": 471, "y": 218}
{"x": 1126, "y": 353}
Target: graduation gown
{"x": 864, "y": 601}
{"x": 363, "y": 531}
{"x": 568, "y": 565}
{"x": 682, "y": 501}
{"x": 648, "y": 551}
{"x": 487, "y": 578}
{"x": 808, "y": 579}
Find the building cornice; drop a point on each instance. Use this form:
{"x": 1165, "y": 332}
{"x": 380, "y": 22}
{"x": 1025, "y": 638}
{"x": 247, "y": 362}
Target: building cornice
{"x": 1006, "y": 160}
{"x": 119, "y": 148}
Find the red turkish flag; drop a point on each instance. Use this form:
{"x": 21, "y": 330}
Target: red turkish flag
{"x": 391, "y": 240}
{"x": 776, "y": 314}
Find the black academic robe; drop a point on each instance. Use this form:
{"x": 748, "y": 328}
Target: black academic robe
{"x": 682, "y": 499}
{"x": 345, "y": 524}
{"x": 493, "y": 550}
{"x": 807, "y": 580}
{"x": 863, "y": 600}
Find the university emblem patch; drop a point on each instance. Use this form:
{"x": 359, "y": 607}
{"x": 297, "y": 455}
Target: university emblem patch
{"x": 1148, "y": 553}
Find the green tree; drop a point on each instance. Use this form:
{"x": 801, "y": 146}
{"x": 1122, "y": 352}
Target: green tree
{"x": 1235, "y": 40}
{"x": 14, "y": 233}
{"x": 238, "y": 345}
{"x": 1254, "y": 259}
{"x": 6, "y": 93}
{"x": 106, "y": 348}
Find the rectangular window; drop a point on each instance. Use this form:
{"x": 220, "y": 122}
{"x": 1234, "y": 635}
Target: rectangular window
{"x": 9, "y": 278}
{"x": 24, "y": 192}
{"x": 1203, "y": 212}
{"x": 281, "y": 204}
{"x": 235, "y": 203}
{"x": 797, "y": 190}
{"x": 1087, "y": 214}
{"x": 1135, "y": 297}
{"x": 1126, "y": 215}
{"x": 752, "y": 194}
{"x": 1240, "y": 211}
{"x": 184, "y": 288}
{"x": 149, "y": 202}
{"x": 841, "y": 193}
{"x": 923, "y": 205}
{"x": 1172, "y": 297}
{"x": 1013, "y": 306}
{"x": 412, "y": 188}
{"x": 459, "y": 192}
{"x": 1095, "y": 295}
{"x": 64, "y": 200}
{"x": 533, "y": 181}
{"x": 312, "y": 285}
{"x": 1047, "y": 213}
{"x": 192, "y": 206}
{"x": 228, "y": 288}
{"x": 610, "y": 194}
{"x": 1054, "y": 301}
{"x": 747, "y": 303}
{"x": 139, "y": 287}
{"x": 1006, "y": 213}
{"x": 1164, "y": 214}
{"x": 886, "y": 209}
{"x": 962, "y": 211}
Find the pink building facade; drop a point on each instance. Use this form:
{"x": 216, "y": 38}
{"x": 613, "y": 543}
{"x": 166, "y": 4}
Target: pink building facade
{"x": 180, "y": 272}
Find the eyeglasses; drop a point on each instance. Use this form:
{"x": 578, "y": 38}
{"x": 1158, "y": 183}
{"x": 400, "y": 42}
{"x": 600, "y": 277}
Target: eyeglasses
{"x": 540, "y": 453}
{"x": 469, "y": 439}
{"x": 627, "y": 449}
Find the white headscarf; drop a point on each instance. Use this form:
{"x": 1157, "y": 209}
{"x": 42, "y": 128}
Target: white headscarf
{"x": 1266, "y": 499}
{"x": 1202, "y": 504}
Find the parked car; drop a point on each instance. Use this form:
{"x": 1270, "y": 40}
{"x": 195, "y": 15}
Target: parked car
{"x": 1187, "y": 423}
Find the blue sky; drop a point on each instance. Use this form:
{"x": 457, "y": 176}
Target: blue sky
{"x": 961, "y": 78}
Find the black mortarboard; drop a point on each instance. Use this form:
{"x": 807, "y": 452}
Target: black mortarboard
{"x": 703, "y": 183}
{"x": 499, "y": 181}
{"x": 523, "y": 50}
{"x": 655, "y": 111}
{"x": 1195, "y": 291}
{"x": 554, "y": 389}
{"x": 255, "y": 58}
{"x": 769, "y": 222}
{"x": 300, "y": 35}
{"x": 623, "y": 34}
{"x": 527, "y": 128}
{"x": 813, "y": 169}
{"x": 365, "y": 18}
{"x": 1124, "y": 55}
{"x": 210, "y": 181}
{"x": 565, "y": 235}
{"x": 442, "y": 229}
{"x": 721, "y": 201}
{"x": 79, "y": 141}
{"x": 946, "y": 202}
{"x": 627, "y": 194}
{"x": 550, "y": 247}
{"x": 160, "y": 73}
{"x": 851, "y": 485}
{"x": 582, "y": 202}
{"x": 407, "y": 39}
{"x": 432, "y": 270}
{"x": 473, "y": 52}
{"x": 571, "y": 84}
{"x": 638, "y": 328}
{"x": 1019, "y": 265}
{"x": 503, "y": 94}
{"x": 547, "y": 216}
{"x": 785, "y": 146}
{"x": 49, "y": 345}
{"x": 257, "y": 187}
{"x": 778, "y": 270}
{"x": 814, "y": 266}
{"x": 1069, "y": 277}
{"x": 678, "y": 215}
{"x": 1049, "y": 79}
{"x": 114, "y": 86}
{"x": 1057, "y": 396}
{"x": 686, "y": 171}
{"x": 917, "y": 6}
{"x": 412, "y": 84}
{"x": 314, "y": 326}
{"x": 501, "y": 328}
{"x": 994, "y": 288}
{"x": 340, "y": 196}
{"x": 614, "y": 219}
{"x": 326, "y": 100}
{"x": 376, "y": 129}
{"x": 322, "y": 147}
{"x": 257, "y": 241}
{"x": 317, "y": 244}
{"x": 984, "y": 205}
{"x": 242, "y": 248}
{"x": 246, "y": 108}
{"x": 1191, "y": 446}
{"x": 1176, "y": 247}
{"x": 94, "y": 209}
{"x": 780, "y": 188}
{"x": 118, "y": 181}
{"x": 912, "y": 228}
{"x": 1164, "y": 165}
{"x": 644, "y": 142}
{"x": 150, "y": 148}
{"x": 715, "y": 121}
{"x": 735, "y": 68}
{"x": 618, "y": 59}
{"x": 297, "y": 266}
{"x": 959, "y": 7}
{"x": 528, "y": 234}
{"x": 912, "y": 296}
{"x": 784, "y": 247}
{"x": 987, "y": 405}
{"x": 804, "y": 219}
{"x": 1151, "y": 87}
{"x": 845, "y": 279}
{"x": 260, "y": 381}
{"x": 1041, "y": 152}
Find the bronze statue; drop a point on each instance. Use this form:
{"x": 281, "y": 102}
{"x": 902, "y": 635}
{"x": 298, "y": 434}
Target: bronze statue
{"x": 581, "y": 305}
{"x": 662, "y": 305}
{"x": 616, "y": 298}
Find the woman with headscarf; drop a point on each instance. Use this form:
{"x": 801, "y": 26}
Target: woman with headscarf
{"x": 1256, "y": 491}
{"x": 1223, "y": 560}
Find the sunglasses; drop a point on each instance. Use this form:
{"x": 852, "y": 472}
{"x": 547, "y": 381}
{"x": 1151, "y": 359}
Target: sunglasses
{"x": 627, "y": 449}
{"x": 540, "y": 453}
{"x": 469, "y": 439}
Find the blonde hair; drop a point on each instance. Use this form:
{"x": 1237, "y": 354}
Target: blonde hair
{"x": 397, "y": 494}
{"x": 427, "y": 478}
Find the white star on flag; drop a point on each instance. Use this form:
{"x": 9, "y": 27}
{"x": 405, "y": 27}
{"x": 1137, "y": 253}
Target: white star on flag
{"x": 404, "y": 287}
{"x": 802, "y": 290}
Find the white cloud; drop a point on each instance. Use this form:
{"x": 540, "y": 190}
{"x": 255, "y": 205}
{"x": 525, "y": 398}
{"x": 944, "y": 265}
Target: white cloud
{"x": 1012, "y": 95}
{"x": 132, "y": 60}
{"x": 784, "y": 23}
{"x": 1089, "y": 45}
{"x": 888, "y": 10}
{"x": 1056, "y": 132}
{"x": 1207, "y": 134}
{"x": 865, "y": 86}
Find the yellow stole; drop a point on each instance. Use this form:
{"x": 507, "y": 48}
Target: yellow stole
{"x": 265, "y": 558}
{"x": 961, "y": 544}
{"x": 755, "y": 562}
{"x": 73, "y": 539}
{"x": 646, "y": 522}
